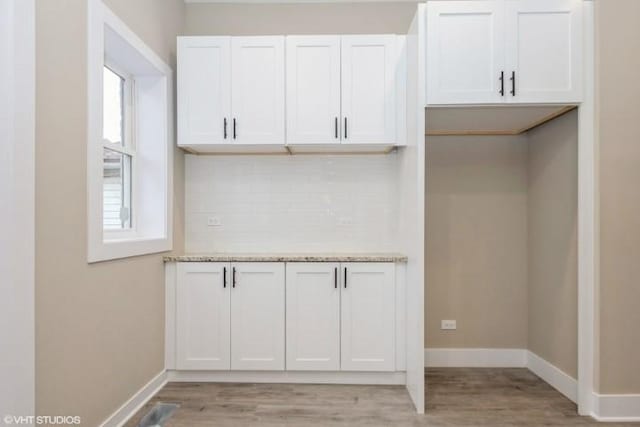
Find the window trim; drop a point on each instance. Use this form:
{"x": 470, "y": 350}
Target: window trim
{"x": 150, "y": 71}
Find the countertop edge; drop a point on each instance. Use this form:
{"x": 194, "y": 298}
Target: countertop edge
{"x": 397, "y": 258}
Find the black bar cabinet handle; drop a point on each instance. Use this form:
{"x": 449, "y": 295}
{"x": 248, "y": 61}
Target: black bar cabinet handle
{"x": 225, "y": 128}
{"x": 335, "y": 278}
{"x": 502, "y": 83}
{"x": 345, "y": 277}
{"x": 233, "y": 277}
{"x": 234, "y": 128}
{"x": 513, "y": 83}
{"x": 224, "y": 277}
{"x": 345, "y": 128}
{"x": 336, "y": 127}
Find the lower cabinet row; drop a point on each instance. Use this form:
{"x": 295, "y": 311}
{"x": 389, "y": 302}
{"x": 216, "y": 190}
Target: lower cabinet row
{"x": 294, "y": 316}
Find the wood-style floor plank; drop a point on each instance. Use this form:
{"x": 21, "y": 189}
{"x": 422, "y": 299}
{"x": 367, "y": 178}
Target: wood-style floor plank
{"x": 455, "y": 397}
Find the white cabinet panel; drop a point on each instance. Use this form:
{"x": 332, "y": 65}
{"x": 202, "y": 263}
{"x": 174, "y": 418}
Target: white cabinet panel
{"x": 258, "y": 316}
{"x": 202, "y": 316}
{"x": 544, "y": 40}
{"x": 204, "y": 94}
{"x": 515, "y": 51}
{"x": 338, "y": 89}
{"x": 313, "y": 89}
{"x": 258, "y": 92}
{"x": 368, "y": 89}
{"x": 465, "y": 52}
{"x": 313, "y": 316}
{"x": 368, "y": 317}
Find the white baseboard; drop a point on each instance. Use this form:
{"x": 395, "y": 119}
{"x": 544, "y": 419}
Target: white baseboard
{"x": 475, "y": 358}
{"x": 552, "y": 375}
{"x": 293, "y": 377}
{"x": 616, "y": 407}
{"x": 137, "y": 401}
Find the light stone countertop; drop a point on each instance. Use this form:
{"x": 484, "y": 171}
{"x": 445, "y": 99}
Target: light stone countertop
{"x": 279, "y": 257}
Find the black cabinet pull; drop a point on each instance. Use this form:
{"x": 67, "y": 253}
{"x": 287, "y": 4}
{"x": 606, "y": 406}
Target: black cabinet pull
{"x": 513, "y": 83}
{"x": 233, "y": 277}
{"x": 234, "y": 128}
{"x": 335, "y": 278}
{"x": 502, "y": 83}
{"x": 345, "y": 277}
{"x": 336, "y": 127}
{"x": 345, "y": 128}
{"x": 225, "y": 128}
{"x": 224, "y": 277}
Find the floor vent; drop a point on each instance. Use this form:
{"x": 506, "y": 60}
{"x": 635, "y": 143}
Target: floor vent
{"x": 158, "y": 415}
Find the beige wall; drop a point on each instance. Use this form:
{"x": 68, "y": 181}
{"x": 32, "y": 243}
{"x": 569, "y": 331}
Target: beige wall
{"x": 308, "y": 18}
{"x": 99, "y": 328}
{"x": 501, "y": 254}
{"x": 476, "y": 241}
{"x": 618, "y": 102}
{"x": 552, "y": 242}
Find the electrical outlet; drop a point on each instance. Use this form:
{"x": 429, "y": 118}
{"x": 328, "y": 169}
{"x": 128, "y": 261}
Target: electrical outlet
{"x": 214, "y": 221}
{"x": 345, "y": 220}
{"x": 448, "y": 325}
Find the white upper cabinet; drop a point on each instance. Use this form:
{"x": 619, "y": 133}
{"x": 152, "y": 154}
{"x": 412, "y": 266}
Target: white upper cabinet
{"x": 369, "y": 89}
{"x": 257, "y": 90}
{"x": 238, "y": 94}
{"x": 465, "y": 51}
{"x": 368, "y": 317}
{"x": 258, "y": 316}
{"x": 230, "y": 91}
{"x": 203, "y": 301}
{"x": 313, "y": 316}
{"x": 504, "y": 51}
{"x": 342, "y": 89}
{"x": 313, "y": 89}
{"x": 204, "y": 92}
{"x": 543, "y": 50}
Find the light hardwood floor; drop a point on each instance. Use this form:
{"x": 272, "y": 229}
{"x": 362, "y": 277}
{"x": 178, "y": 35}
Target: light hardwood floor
{"x": 455, "y": 397}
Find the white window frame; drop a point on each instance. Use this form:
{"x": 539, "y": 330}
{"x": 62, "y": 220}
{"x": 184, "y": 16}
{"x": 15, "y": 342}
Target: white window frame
{"x": 112, "y": 44}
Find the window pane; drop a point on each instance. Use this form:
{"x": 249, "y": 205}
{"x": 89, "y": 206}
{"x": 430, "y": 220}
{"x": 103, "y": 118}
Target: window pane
{"x": 113, "y": 108}
{"x": 116, "y": 191}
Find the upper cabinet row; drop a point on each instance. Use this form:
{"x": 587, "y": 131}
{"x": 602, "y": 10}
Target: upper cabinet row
{"x": 504, "y": 51}
{"x": 294, "y": 90}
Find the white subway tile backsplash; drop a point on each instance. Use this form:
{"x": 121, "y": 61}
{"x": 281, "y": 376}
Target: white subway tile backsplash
{"x": 328, "y": 203}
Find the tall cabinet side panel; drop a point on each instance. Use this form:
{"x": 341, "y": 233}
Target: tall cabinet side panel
{"x": 412, "y": 197}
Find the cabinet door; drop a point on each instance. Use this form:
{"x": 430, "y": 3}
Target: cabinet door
{"x": 368, "y": 317}
{"x": 313, "y": 316}
{"x": 257, "y": 93}
{"x": 544, "y": 50}
{"x": 313, "y": 89}
{"x": 369, "y": 89}
{"x": 257, "y": 316}
{"x": 204, "y": 95}
{"x": 202, "y": 316}
{"x": 465, "y": 52}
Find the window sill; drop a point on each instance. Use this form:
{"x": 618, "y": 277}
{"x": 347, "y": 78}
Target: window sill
{"x": 128, "y": 247}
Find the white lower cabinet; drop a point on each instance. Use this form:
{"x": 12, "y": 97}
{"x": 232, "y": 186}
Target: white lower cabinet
{"x": 339, "y": 316}
{"x": 203, "y": 329}
{"x": 368, "y": 317}
{"x": 257, "y": 316}
{"x": 313, "y": 316}
{"x": 230, "y": 316}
